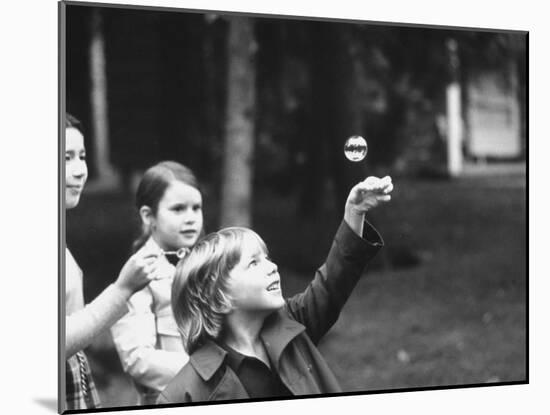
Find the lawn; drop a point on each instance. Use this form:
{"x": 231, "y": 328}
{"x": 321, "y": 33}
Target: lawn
{"x": 443, "y": 304}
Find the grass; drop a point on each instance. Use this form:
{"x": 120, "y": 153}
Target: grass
{"x": 444, "y": 303}
{"x": 459, "y": 317}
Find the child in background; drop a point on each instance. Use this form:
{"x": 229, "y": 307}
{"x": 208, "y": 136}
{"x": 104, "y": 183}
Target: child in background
{"x": 244, "y": 339}
{"x": 85, "y": 323}
{"x": 147, "y": 339}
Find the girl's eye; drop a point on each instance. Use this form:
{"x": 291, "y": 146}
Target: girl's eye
{"x": 253, "y": 263}
{"x": 71, "y": 156}
{"x": 196, "y": 208}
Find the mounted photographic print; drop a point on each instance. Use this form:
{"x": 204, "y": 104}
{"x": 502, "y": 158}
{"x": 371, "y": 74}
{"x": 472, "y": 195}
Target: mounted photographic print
{"x": 266, "y": 207}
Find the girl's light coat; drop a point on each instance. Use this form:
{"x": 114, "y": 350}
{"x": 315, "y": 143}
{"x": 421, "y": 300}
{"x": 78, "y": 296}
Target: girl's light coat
{"x": 147, "y": 338}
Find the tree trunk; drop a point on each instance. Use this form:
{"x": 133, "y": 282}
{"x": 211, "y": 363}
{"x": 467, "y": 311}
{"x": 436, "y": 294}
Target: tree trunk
{"x": 454, "y": 114}
{"x": 106, "y": 176}
{"x": 320, "y": 118}
{"x": 237, "y": 172}
{"x": 335, "y": 114}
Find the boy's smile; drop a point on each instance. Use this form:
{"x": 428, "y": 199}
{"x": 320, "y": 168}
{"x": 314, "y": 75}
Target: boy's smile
{"x": 274, "y": 286}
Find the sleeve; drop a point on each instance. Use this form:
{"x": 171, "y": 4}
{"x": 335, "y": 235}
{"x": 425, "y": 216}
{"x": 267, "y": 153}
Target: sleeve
{"x": 319, "y": 305}
{"x": 135, "y": 338}
{"x": 86, "y": 324}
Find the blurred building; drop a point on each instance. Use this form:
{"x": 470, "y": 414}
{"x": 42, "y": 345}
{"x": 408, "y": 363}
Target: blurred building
{"x": 493, "y": 118}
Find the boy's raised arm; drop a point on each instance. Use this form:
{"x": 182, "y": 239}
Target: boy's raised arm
{"x": 355, "y": 244}
{"x": 363, "y": 197}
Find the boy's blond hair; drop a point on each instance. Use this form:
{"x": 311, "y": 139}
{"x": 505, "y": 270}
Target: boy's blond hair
{"x": 200, "y": 297}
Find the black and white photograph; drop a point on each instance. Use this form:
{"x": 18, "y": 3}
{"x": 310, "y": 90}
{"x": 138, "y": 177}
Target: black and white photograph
{"x": 267, "y": 207}
{"x": 274, "y": 207}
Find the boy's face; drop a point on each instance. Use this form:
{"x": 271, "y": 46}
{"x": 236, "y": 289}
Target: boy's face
{"x": 254, "y": 283}
{"x": 76, "y": 170}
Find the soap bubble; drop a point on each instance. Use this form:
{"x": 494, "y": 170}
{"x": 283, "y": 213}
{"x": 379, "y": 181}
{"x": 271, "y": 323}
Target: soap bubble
{"x": 356, "y": 148}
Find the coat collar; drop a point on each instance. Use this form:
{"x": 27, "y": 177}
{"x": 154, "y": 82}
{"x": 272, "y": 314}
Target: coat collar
{"x": 278, "y": 331}
{"x": 151, "y": 246}
{"x": 207, "y": 359}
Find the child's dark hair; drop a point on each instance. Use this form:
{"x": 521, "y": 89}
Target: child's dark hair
{"x": 152, "y": 186}
{"x": 72, "y": 122}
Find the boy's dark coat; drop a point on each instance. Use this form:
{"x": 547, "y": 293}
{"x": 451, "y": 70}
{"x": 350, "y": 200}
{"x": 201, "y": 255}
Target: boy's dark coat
{"x": 289, "y": 335}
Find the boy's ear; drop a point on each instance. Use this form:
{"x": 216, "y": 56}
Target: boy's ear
{"x": 146, "y": 214}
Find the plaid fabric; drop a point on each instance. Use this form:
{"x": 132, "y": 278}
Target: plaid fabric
{"x": 80, "y": 391}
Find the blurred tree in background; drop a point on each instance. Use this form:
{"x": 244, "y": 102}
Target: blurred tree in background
{"x": 237, "y": 172}
{"x": 304, "y": 87}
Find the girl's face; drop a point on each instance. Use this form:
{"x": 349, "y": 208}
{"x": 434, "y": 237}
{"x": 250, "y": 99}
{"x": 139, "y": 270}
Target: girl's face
{"x": 254, "y": 283}
{"x": 178, "y": 221}
{"x": 76, "y": 170}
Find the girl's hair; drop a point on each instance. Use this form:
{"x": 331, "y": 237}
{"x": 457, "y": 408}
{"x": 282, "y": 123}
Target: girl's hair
{"x": 72, "y": 122}
{"x": 200, "y": 298}
{"x": 152, "y": 186}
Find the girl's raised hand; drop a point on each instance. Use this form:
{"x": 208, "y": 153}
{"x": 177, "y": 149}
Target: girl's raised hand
{"x": 368, "y": 194}
{"x": 137, "y": 272}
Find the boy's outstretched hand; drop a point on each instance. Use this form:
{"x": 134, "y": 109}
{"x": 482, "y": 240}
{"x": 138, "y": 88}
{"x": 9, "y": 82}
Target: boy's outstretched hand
{"x": 365, "y": 196}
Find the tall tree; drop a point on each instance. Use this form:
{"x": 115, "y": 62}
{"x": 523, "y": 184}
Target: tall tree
{"x": 106, "y": 175}
{"x": 335, "y": 113}
{"x": 237, "y": 171}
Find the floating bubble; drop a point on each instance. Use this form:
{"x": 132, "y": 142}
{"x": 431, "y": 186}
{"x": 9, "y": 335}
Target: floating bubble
{"x": 356, "y": 148}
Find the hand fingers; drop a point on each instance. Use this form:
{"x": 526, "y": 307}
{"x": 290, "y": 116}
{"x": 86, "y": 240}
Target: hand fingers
{"x": 376, "y": 184}
{"x": 385, "y": 198}
{"x": 370, "y": 181}
{"x": 149, "y": 269}
{"x": 385, "y": 182}
{"x": 152, "y": 256}
{"x": 147, "y": 259}
{"x": 154, "y": 276}
{"x": 388, "y": 188}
